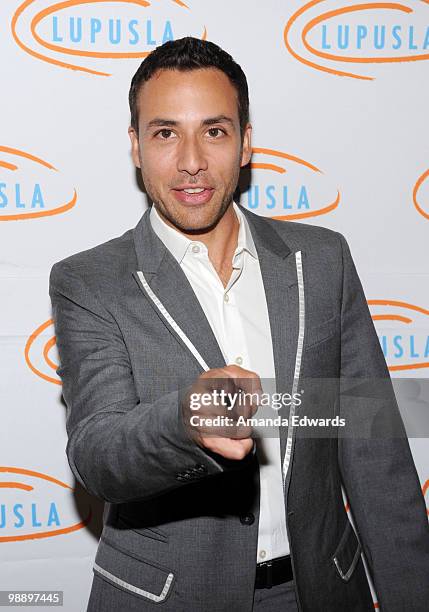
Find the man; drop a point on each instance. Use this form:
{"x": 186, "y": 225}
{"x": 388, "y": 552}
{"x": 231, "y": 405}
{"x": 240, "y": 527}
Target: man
{"x": 203, "y": 295}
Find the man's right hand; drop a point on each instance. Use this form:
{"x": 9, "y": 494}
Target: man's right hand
{"x": 217, "y": 393}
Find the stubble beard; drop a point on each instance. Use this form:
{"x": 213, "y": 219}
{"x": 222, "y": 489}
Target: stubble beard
{"x": 193, "y": 221}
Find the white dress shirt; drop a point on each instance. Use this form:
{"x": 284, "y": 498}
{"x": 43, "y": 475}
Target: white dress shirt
{"x": 238, "y": 316}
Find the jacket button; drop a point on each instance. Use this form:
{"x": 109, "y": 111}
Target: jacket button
{"x": 183, "y": 476}
{"x": 247, "y": 519}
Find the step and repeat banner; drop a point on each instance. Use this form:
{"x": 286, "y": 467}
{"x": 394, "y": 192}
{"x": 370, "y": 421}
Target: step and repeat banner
{"x": 339, "y": 98}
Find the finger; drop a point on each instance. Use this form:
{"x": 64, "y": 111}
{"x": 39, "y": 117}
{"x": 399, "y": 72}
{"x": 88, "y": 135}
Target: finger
{"x": 228, "y": 448}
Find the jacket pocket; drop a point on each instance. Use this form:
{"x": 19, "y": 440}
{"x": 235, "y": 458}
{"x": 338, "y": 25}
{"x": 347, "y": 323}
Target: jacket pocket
{"x": 318, "y": 333}
{"x": 132, "y": 573}
{"x": 124, "y": 522}
{"x": 347, "y": 554}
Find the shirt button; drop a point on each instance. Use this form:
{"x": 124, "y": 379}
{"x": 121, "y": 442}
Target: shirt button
{"x": 247, "y": 519}
{"x": 262, "y": 554}
{"x": 226, "y": 298}
{"x": 195, "y": 248}
{"x": 239, "y": 360}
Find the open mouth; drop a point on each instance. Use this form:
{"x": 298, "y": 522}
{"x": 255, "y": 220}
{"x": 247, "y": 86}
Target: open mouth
{"x": 193, "y": 195}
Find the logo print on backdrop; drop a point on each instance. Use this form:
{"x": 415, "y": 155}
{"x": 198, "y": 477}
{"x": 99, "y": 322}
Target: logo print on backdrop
{"x": 357, "y": 38}
{"x": 403, "y": 331}
{"x": 35, "y": 505}
{"x": 30, "y": 187}
{"x": 421, "y": 194}
{"x": 38, "y": 352}
{"x": 86, "y": 35}
{"x": 286, "y": 187}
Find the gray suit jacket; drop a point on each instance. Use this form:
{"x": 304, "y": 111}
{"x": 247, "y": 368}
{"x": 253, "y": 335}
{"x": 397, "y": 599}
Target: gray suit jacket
{"x": 181, "y": 524}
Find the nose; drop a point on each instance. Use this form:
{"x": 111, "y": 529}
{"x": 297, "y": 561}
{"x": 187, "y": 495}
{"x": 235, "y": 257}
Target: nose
{"x": 191, "y": 157}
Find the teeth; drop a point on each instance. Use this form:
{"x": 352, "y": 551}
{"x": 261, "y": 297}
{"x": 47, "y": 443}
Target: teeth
{"x": 197, "y": 190}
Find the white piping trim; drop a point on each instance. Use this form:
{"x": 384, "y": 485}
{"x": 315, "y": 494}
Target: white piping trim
{"x": 134, "y": 589}
{"x": 298, "y": 360}
{"x": 167, "y": 316}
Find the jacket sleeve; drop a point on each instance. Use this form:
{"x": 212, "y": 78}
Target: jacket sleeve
{"x": 378, "y": 471}
{"x": 118, "y": 448}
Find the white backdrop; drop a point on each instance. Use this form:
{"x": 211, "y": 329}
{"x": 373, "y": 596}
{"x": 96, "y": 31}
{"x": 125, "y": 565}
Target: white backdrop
{"x": 339, "y": 101}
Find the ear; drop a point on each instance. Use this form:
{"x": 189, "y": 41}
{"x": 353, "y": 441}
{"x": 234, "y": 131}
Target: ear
{"x": 246, "y": 153}
{"x": 134, "y": 146}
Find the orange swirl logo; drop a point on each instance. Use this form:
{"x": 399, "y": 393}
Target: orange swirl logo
{"x": 403, "y": 331}
{"x": 38, "y": 352}
{"x": 287, "y": 187}
{"x": 421, "y": 194}
{"x": 99, "y": 31}
{"x": 30, "y": 187}
{"x": 34, "y": 505}
{"x": 360, "y": 36}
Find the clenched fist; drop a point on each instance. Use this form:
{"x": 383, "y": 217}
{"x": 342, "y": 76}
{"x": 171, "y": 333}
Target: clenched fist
{"x": 214, "y": 405}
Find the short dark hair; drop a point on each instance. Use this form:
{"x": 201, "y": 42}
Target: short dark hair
{"x": 190, "y": 54}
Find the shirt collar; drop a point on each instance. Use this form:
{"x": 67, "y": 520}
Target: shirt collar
{"x": 177, "y": 243}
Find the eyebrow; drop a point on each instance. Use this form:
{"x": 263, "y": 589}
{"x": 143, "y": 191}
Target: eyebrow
{"x": 161, "y": 122}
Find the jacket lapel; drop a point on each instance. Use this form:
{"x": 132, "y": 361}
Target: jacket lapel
{"x": 170, "y": 284}
{"x": 278, "y": 268}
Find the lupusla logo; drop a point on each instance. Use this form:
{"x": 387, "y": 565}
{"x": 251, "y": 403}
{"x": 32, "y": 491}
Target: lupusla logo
{"x": 286, "y": 187}
{"x": 35, "y": 505}
{"x": 41, "y": 354}
{"x": 421, "y": 194}
{"x": 403, "y": 331}
{"x": 31, "y": 187}
{"x": 356, "y": 39}
{"x": 88, "y": 35}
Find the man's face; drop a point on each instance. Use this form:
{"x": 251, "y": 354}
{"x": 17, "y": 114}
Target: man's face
{"x": 189, "y": 147}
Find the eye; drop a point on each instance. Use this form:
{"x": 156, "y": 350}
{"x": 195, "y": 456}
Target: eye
{"x": 215, "y": 132}
{"x": 165, "y": 134}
